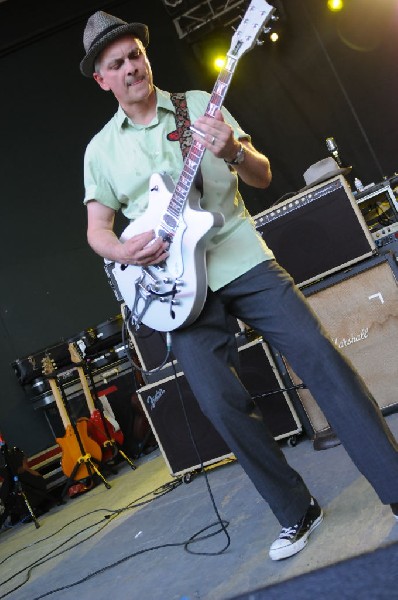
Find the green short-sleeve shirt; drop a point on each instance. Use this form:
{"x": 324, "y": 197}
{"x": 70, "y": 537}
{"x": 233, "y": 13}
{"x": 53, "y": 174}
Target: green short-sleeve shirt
{"x": 120, "y": 159}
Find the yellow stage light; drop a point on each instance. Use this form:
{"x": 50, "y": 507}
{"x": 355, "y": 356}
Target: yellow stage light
{"x": 335, "y": 5}
{"x": 219, "y": 63}
{"x": 274, "y": 37}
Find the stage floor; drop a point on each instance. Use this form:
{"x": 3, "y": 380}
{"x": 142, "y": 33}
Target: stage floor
{"x": 131, "y": 541}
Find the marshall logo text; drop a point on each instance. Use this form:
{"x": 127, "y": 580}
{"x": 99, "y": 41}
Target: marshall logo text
{"x": 344, "y": 342}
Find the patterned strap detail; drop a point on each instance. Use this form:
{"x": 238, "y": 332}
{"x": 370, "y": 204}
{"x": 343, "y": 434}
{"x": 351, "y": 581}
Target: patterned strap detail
{"x": 182, "y": 122}
{"x": 184, "y": 133}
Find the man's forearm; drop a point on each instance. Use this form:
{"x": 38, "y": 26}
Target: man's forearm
{"x": 105, "y": 243}
{"x": 255, "y": 170}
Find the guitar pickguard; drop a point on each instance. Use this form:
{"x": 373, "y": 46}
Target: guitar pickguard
{"x": 168, "y": 296}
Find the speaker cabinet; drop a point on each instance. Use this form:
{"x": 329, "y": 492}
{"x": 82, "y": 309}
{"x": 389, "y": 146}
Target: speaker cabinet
{"x": 317, "y": 232}
{"x": 151, "y": 349}
{"x": 166, "y": 412}
{"x": 360, "y": 312}
{"x": 260, "y": 376}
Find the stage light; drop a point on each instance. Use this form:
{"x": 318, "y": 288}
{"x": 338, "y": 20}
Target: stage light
{"x": 219, "y": 62}
{"x": 274, "y": 37}
{"x": 335, "y": 5}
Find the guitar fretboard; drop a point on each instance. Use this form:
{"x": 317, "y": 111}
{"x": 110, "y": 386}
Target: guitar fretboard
{"x": 257, "y": 14}
{"x": 192, "y": 162}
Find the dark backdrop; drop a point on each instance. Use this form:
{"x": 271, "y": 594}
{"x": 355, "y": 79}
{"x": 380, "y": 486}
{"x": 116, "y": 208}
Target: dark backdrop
{"x": 331, "y": 76}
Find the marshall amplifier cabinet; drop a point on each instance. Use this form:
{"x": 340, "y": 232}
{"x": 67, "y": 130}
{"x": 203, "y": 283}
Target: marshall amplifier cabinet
{"x": 168, "y": 413}
{"x": 317, "y": 232}
{"x": 359, "y": 309}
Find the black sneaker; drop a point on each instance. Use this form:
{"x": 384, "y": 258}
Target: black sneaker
{"x": 293, "y": 539}
{"x": 394, "y": 508}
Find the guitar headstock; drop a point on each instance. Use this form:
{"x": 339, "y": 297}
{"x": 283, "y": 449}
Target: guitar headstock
{"x": 48, "y": 365}
{"x": 256, "y": 17}
{"x": 75, "y": 353}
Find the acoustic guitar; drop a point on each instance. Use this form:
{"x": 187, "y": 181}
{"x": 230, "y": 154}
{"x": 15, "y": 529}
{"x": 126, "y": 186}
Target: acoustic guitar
{"x": 75, "y": 456}
{"x": 171, "y": 295}
{"x": 99, "y": 427}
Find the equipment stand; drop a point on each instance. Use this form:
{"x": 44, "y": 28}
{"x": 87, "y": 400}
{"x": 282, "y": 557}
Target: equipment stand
{"x": 110, "y": 442}
{"x": 85, "y": 457}
{"x": 13, "y": 484}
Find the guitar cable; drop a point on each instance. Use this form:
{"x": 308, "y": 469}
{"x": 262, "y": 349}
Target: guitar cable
{"x": 131, "y": 336}
{"x": 157, "y": 493}
{"x": 220, "y": 522}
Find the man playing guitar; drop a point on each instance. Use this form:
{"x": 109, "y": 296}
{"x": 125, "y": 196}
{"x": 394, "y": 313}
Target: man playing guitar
{"x": 241, "y": 275}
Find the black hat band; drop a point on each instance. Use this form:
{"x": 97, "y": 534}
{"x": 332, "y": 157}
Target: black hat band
{"x": 105, "y": 32}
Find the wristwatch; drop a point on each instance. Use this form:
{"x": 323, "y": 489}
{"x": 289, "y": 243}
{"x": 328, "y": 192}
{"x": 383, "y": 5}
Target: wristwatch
{"x": 239, "y": 158}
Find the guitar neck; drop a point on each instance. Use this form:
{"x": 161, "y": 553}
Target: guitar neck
{"x": 257, "y": 15}
{"x": 60, "y": 403}
{"x": 192, "y": 162}
{"x": 86, "y": 390}
{"x": 221, "y": 86}
{"x": 76, "y": 360}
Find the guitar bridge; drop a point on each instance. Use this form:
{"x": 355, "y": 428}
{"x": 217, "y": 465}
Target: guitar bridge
{"x": 146, "y": 292}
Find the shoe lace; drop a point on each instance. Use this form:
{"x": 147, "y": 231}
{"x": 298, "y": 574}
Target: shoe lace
{"x": 289, "y": 532}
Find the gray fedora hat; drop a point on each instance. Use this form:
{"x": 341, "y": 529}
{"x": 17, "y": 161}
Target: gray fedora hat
{"x": 101, "y": 30}
{"x": 322, "y": 170}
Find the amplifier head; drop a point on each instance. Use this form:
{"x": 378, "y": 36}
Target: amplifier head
{"x": 379, "y": 208}
{"x": 317, "y": 232}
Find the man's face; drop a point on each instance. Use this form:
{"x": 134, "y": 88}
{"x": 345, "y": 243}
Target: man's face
{"x": 123, "y": 68}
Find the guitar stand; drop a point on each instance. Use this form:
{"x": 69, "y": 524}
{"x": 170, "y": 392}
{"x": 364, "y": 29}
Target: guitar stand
{"x": 85, "y": 457}
{"x": 91, "y": 467}
{"x": 118, "y": 450}
{"x": 21, "y": 493}
{"x": 110, "y": 442}
{"x": 14, "y": 485}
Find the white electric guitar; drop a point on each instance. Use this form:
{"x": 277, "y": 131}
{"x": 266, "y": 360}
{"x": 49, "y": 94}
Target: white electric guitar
{"x": 171, "y": 295}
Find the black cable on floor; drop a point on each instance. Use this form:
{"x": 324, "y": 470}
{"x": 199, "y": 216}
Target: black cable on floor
{"x": 158, "y": 493}
{"x": 223, "y": 524}
{"x": 195, "y": 538}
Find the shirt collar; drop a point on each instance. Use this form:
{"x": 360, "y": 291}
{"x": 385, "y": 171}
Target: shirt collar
{"x": 163, "y": 102}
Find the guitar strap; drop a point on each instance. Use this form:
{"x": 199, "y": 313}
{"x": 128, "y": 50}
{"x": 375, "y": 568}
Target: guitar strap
{"x": 183, "y": 123}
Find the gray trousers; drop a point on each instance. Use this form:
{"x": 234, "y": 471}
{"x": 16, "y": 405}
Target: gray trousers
{"x": 267, "y": 300}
